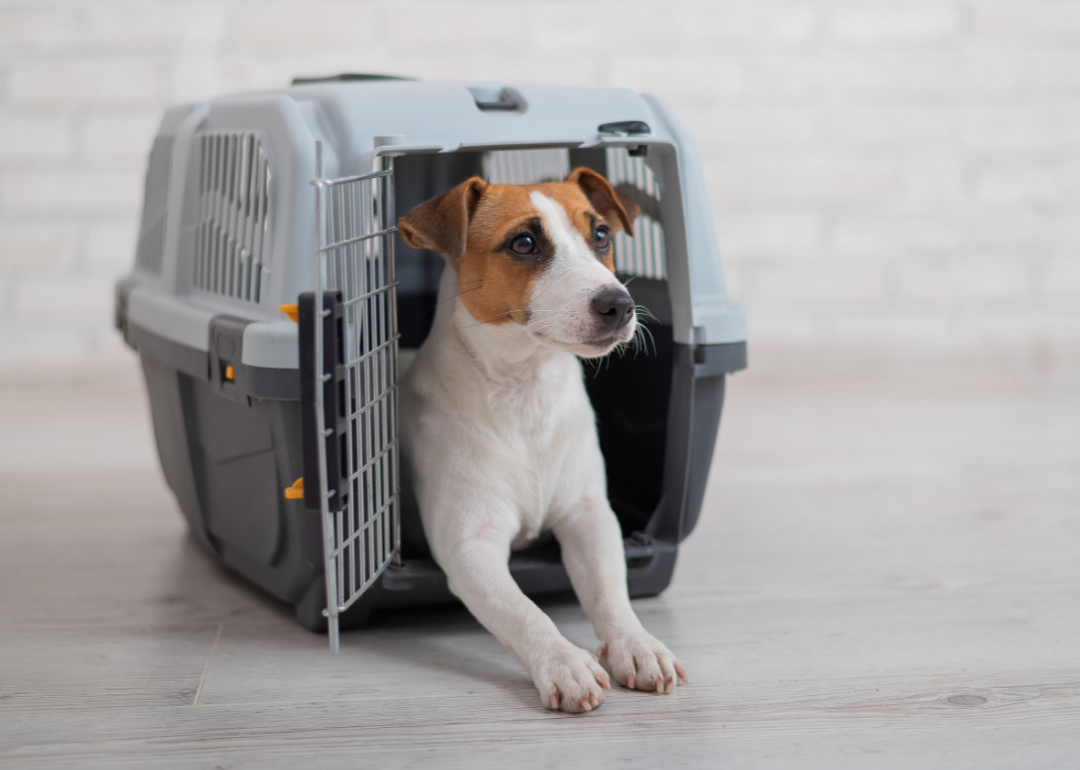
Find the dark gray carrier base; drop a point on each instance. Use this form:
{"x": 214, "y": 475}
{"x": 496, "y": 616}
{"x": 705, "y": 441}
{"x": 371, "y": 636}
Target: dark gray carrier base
{"x": 538, "y": 571}
{"x": 230, "y": 448}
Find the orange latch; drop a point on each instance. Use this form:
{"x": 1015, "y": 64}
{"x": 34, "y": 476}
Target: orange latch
{"x": 230, "y": 373}
{"x": 296, "y": 491}
{"x": 292, "y": 311}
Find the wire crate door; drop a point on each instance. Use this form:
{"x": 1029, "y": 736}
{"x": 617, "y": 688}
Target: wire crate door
{"x": 356, "y": 388}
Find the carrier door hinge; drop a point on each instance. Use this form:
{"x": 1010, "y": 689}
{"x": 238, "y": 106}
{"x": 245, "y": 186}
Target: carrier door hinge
{"x": 330, "y": 382}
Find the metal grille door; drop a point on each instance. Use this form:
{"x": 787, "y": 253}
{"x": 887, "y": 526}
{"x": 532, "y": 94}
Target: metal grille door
{"x": 356, "y": 398}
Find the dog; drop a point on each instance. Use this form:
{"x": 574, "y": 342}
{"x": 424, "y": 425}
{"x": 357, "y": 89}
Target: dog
{"x": 499, "y": 430}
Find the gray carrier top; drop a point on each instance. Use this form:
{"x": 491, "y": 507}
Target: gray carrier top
{"x": 228, "y": 223}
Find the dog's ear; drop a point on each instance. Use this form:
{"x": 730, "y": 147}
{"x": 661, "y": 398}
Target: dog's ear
{"x": 612, "y": 205}
{"x": 442, "y": 224}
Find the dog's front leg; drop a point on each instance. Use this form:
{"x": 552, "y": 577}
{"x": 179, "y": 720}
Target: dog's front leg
{"x": 568, "y": 677}
{"x": 592, "y": 551}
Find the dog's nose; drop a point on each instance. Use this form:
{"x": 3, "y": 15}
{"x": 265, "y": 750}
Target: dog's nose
{"x": 613, "y": 307}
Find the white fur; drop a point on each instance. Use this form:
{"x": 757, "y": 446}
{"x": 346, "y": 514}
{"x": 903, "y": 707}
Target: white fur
{"x": 502, "y": 439}
{"x": 559, "y": 307}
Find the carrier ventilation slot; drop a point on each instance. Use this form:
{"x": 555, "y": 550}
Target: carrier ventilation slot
{"x": 155, "y": 206}
{"x": 642, "y": 255}
{"x": 526, "y": 166}
{"x": 232, "y": 242}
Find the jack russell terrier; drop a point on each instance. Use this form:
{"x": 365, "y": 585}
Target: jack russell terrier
{"x": 499, "y": 429}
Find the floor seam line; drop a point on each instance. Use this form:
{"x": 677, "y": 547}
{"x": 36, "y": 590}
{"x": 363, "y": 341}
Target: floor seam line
{"x": 206, "y": 668}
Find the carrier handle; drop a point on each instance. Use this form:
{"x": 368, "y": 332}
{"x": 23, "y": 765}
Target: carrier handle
{"x": 625, "y": 127}
{"x": 346, "y": 77}
{"x": 503, "y": 105}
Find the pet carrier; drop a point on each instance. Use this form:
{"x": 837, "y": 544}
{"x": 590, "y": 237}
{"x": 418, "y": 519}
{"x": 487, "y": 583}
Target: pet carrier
{"x": 273, "y": 308}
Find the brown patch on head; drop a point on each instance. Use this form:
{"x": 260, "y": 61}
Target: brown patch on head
{"x": 475, "y": 223}
{"x": 494, "y": 285}
{"x": 580, "y": 211}
{"x": 613, "y": 206}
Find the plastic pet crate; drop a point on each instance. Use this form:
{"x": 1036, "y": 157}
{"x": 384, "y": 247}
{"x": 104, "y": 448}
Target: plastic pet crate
{"x": 273, "y": 308}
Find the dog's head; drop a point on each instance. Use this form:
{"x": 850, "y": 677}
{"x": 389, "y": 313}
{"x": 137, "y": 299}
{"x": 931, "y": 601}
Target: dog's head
{"x": 537, "y": 255}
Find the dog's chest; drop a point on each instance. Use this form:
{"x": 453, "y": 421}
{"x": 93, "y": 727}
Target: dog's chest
{"x": 498, "y": 445}
{"x": 540, "y": 426}
{"x": 531, "y": 464}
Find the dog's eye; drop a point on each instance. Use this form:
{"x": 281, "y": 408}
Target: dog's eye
{"x": 602, "y": 237}
{"x": 523, "y": 244}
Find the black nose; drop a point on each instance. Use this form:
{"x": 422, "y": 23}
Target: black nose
{"x": 613, "y": 307}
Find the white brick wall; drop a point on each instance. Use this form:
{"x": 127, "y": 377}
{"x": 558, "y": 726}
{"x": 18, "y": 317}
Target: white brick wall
{"x": 879, "y": 170}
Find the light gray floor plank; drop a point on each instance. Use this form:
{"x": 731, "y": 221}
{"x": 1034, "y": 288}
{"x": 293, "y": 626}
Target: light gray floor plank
{"x": 111, "y": 548}
{"x": 1003, "y": 721}
{"x": 723, "y": 643}
{"x": 102, "y": 668}
{"x": 885, "y": 575}
{"x": 91, "y": 418}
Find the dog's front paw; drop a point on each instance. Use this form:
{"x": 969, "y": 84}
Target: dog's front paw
{"x": 571, "y": 679}
{"x": 641, "y": 662}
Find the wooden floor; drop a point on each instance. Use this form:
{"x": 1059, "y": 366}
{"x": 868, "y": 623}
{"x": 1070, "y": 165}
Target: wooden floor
{"x": 886, "y": 575}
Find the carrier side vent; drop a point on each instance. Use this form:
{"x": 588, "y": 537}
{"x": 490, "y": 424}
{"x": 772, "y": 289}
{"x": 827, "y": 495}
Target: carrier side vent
{"x": 643, "y": 254}
{"x": 155, "y": 206}
{"x": 232, "y": 243}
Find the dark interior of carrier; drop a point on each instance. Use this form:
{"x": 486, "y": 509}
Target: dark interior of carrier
{"x": 629, "y": 391}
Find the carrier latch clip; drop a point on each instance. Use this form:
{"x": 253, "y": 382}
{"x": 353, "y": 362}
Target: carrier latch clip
{"x": 296, "y": 491}
{"x": 292, "y": 311}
